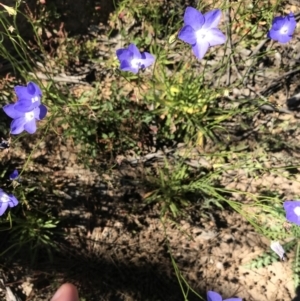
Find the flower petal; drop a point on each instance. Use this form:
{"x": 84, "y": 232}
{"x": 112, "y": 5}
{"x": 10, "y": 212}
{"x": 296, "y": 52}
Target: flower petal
{"x": 292, "y": 210}
{"x": 14, "y": 175}
{"x": 124, "y": 54}
{"x": 134, "y": 50}
{"x": 34, "y": 89}
{"x": 17, "y": 126}
{"x": 24, "y": 105}
{"x": 188, "y": 35}
{"x": 3, "y": 207}
{"x": 30, "y": 126}
{"x": 234, "y": 299}
{"x": 200, "y": 49}
{"x": 213, "y": 296}
{"x": 212, "y": 18}
{"x": 215, "y": 37}
{"x": 193, "y": 17}
{"x": 40, "y": 112}
{"x": 291, "y": 23}
{"x": 12, "y": 201}
{"x": 147, "y": 59}
{"x": 126, "y": 66}
{"x": 278, "y": 22}
{"x": 283, "y": 39}
{"x": 11, "y": 112}
{"x": 30, "y": 90}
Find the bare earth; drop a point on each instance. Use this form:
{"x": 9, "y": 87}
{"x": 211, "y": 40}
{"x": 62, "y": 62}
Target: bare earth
{"x": 116, "y": 248}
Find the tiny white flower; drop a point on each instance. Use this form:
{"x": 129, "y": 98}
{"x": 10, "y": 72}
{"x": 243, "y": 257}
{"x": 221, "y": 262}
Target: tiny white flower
{"x": 278, "y": 249}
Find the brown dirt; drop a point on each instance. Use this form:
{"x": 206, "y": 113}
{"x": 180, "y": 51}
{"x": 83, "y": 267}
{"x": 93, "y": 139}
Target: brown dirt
{"x": 117, "y": 248}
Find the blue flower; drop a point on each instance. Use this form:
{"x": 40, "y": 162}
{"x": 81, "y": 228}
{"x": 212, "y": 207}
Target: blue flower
{"x": 29, "y": 97}
{"x": 213, "y": 296}
{"x": 201, "y": 31}
{"x": 282, "y": 28}
{"x": 24, "y": 120}
{"x": 14, "y": 175}
{"x": 7, "y": 200}
{"x": 292, "y": 211}
{"x": 131, "y": 59}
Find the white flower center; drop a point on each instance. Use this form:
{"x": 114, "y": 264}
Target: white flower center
{"x": 4, "y": 198}
{"x": 297, "y": 211}
{"x": 200, "y": 34}
{"x": 284, "y": 30}
{"x": 135, "y": 63}
{"x": 35, "y": 99}
{"x": 29, "y": 116}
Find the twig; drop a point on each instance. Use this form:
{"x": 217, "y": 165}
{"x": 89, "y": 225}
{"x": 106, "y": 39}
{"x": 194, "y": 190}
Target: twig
{"x": 253, "y": 56}
{"x": 228, "y": 29}
{"x": 279, "y": 78}
{"x": 61, "y": 78}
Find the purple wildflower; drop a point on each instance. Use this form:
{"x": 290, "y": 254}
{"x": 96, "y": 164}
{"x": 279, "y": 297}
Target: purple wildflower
{"x": 292, "y": 211}
{"x": 14, "y": 175}
{"x": 131, "y": 59}
{"x": 24, "y": 120}
{"x": 29, "y": 97}
{"x": 213, "y": 296}
{"x": 7, "y": 200}
{"x": 201, "y": 31}
{"x": 282, "y": 28}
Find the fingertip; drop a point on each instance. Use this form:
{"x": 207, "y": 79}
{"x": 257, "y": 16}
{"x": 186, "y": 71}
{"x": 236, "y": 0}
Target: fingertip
{"x": 66, "y": 292}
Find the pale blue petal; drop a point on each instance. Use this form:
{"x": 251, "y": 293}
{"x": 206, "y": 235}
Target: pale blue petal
{"x": 30, "y": 126}
{"x": 215, "y": 37}
{"x": 213, "y": 296}
{"x": 28, "y": 92}
{"x": 124, "y": 54}
{"x": 289, "y": 207}
{"x": 25, "y": 105}
{"x": 22, "y": 91}
{"x": 200, "y": 49}
{"x": 134, "y": 50}
{"x": 3, "y": 207}
{"x": 284, "y": 38}
{"x": 188, "y": 35}
{"x": 126, "y": 66}
{"x": 12, "y": 201}
{"x": 147, "y": 59}
{"x": 11, "y": 112}
{"x": 234, "y": 299}
{"x": 34, "y": 89}
{"x": 193, "y": 18}
{"x": 40, "y": 112}
{"x": 17, "y": 126}
{"x": 290, "y": 19}
{"x": 212, "y": 19}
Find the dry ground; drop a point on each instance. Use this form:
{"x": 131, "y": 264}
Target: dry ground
{"x": 118, "y": 249}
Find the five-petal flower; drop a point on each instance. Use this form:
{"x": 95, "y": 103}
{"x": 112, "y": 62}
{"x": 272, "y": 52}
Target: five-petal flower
{"x": 213, "y": 296}
{"x": 282, "y": 28}
{"x": 7, "y": 200}
{"x": 131, "y": 59}
{"x": 292, "y": 211}
{"x": 24, "y": 120}
{"x": 201, "y": 31}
